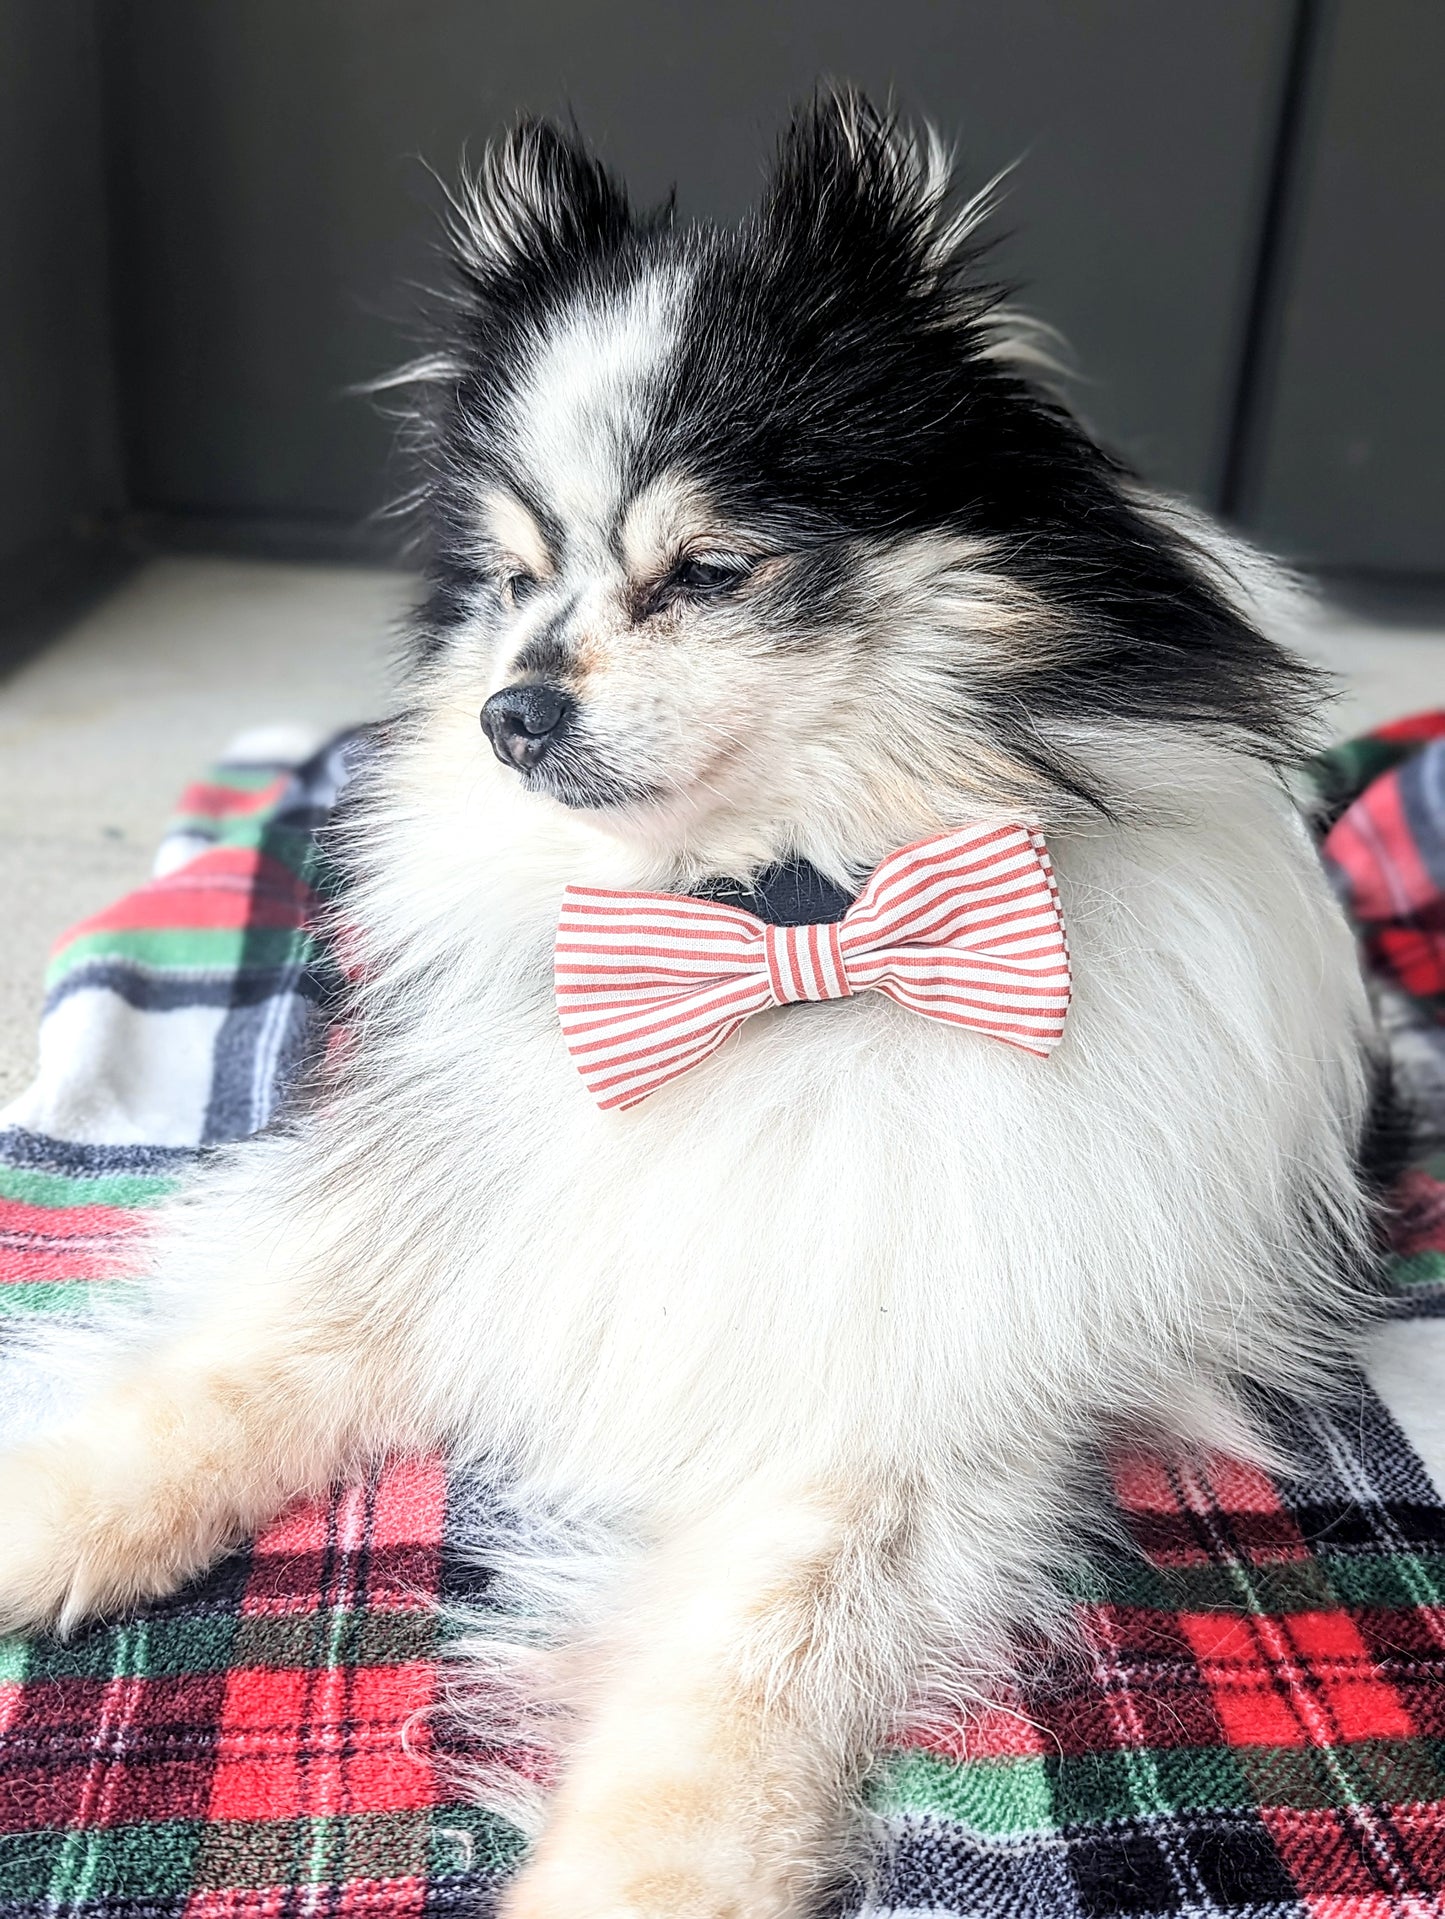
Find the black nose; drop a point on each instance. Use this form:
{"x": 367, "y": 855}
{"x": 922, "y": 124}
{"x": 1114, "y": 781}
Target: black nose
{"x": 523, "y": 721}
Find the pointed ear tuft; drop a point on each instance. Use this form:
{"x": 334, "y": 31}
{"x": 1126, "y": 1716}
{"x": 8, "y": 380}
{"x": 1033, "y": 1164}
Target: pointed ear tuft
{"x": 539, "y": 200}
{"x": 851, "y": 175}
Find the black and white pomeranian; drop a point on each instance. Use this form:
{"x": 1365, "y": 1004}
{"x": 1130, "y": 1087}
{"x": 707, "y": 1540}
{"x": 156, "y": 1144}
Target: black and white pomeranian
{"x": 766, "y": 551}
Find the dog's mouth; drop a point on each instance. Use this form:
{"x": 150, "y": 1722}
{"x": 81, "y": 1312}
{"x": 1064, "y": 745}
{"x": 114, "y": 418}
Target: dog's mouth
{"x": 582, "y": 782}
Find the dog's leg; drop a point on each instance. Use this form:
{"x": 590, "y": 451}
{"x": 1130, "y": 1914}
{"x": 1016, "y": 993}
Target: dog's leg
{"x": 261, "y": 1376}
{"x": 198, "y": 1445}
{"x": 764, "y": 1656}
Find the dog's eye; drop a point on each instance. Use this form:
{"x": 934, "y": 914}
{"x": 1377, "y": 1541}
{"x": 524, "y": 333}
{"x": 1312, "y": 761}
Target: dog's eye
{"x": 712, "y": 575}
{"x": 517, "y": 587}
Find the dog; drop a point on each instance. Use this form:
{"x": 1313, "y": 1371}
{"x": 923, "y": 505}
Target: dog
{"x": 759, "y": 552}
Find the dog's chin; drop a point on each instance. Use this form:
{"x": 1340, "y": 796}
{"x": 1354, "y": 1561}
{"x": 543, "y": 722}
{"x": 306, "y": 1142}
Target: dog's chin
{"x": 667, "y": 821}
{"x": 585, "y": 786}
{"x": 695, "y": 822}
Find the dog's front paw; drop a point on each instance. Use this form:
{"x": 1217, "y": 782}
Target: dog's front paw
{"x": 643, "y": 1861}
{"x": 41, "y": 1541}
{"x": 70, "y": 1549}
{"x": 561, "y": 1892}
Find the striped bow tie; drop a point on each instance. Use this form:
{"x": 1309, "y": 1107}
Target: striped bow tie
{"x": 964, "y": 928}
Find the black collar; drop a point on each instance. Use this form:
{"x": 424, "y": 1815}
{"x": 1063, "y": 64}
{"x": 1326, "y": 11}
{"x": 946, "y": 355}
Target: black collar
{"x": 793, "y": 893}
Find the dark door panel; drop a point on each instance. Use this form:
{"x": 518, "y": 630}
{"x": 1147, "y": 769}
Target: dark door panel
{"x": 59, "y": 462}
{"x": 1351, "y": 445}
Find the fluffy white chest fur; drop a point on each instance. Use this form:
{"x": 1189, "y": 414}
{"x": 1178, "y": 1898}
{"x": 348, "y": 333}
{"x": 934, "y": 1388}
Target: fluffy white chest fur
{"x": 856, "y": 1239}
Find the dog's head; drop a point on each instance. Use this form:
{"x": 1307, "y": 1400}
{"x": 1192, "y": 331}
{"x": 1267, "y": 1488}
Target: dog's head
{"x": 767, "y": 541}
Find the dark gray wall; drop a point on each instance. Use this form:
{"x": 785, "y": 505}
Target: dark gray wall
{"x": 268, "y": 204}
{"x": 59, "y": 461}
{"x": 1349, "y": 464}
{"x": 225, "y": 215}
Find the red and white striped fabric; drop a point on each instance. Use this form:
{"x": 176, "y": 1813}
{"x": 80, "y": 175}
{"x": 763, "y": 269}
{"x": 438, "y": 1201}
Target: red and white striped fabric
{"x": 965, "y": 928}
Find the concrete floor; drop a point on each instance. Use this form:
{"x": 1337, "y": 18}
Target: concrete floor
{"x": 100, "y": 732}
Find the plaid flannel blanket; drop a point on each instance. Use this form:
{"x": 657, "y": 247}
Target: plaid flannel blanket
{"x": 1258, "y": 1726}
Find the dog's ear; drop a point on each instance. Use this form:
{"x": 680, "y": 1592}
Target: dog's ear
{"x": 539, "y": 204}
{"x": 854, "y": 185}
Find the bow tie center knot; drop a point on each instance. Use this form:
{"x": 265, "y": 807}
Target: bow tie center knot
{"x": 805, "y": 962}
